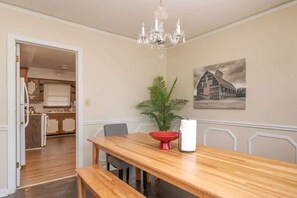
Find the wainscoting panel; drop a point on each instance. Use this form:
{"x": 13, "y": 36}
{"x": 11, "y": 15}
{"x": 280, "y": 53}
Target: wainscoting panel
{"x": 224, "y": 136}
{"x": 3, "y": 160}
{"x": 95, "y": 129}
{"x": 266, "y": 140}
{"x": 285, "y": 148}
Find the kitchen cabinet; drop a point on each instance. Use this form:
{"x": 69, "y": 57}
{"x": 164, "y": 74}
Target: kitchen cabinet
{"x": 61, "y": 123}
{"x": 35, "y": 89}
{"x": 33, "y": 132}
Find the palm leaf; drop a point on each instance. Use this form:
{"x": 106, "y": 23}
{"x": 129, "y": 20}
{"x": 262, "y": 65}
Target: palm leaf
{"x": 160, "y": 106}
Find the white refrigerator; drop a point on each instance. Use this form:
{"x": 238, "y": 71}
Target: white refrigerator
{"x": 24, "y": 119}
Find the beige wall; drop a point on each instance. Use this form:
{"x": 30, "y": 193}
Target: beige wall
{"x": 269, "y": 45}
{"x": 116, "y": 70}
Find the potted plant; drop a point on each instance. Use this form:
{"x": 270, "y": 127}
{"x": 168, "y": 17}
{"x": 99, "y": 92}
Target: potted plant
{"x": 161, "y": 107}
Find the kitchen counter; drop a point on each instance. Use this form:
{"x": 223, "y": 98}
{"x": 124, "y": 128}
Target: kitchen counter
{"x": 61, "y": 123}
{"x": 59, "y": 112}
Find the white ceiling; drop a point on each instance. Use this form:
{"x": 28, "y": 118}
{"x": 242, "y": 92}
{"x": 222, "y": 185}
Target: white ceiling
{"x": 124, "y": 17}
{"x": 47, "y": 58}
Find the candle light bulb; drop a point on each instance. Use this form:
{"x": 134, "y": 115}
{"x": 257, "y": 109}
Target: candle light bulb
{"x": 143, "y": 30}
{"x": 156, "y": 24}
{"x": 178, "y": 27}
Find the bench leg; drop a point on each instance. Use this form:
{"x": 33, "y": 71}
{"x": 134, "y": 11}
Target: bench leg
{"x": 121, "y": 174}
{"x": 81, "y": 190}
{"x": 144, "y": 179}
{"x": 127, "y": 175}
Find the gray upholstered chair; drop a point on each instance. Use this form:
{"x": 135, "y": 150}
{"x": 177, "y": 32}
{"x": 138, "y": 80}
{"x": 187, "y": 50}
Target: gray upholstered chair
{"x": 117, "y": 129}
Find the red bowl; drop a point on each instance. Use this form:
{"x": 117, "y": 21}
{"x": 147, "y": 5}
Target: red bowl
{"x": 165, "y": 138}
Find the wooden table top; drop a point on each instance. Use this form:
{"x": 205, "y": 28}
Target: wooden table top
{"x": 208, "y": 172}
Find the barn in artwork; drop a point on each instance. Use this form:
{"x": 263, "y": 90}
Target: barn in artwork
{"x": 214, "y": 87}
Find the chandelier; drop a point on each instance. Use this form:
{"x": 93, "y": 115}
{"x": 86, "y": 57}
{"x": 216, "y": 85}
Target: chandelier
{"x": 157, "y": 37}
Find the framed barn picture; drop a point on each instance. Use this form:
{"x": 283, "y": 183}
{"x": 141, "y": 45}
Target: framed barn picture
{"x": 221, "y": 86}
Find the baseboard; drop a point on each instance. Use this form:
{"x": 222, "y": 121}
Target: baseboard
{"x": 4, "y": 192}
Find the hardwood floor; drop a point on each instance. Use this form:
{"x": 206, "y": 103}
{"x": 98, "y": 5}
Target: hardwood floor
{"x": 67, "y": 188}
{"x": 55, "y": 160}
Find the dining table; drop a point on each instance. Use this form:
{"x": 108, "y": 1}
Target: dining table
{"x": 207, "y": 172}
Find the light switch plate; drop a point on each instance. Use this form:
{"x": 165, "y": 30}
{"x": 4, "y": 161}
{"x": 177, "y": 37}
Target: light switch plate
{"x": 87, "y": 102}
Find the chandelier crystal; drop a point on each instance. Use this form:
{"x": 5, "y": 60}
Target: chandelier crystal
{"x": 157, "y": 37}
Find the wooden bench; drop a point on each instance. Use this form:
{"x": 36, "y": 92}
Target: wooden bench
{"x": 103, "y": 183}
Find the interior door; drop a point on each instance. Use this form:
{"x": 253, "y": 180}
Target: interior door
{"x": 18, "y": 116}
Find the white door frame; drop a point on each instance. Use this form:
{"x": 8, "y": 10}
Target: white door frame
{"x": 11, "y": 100}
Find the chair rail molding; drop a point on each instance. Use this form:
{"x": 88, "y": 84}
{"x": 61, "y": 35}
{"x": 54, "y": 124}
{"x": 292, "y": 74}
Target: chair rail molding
{"x": 276, "y": 136}
{"x": 249, "y": 125}
{"x": 109, "y": 121}
{"x": 3, "y": 128}
{"x": 211, "y": 129}
{"x": 141, "y": 123}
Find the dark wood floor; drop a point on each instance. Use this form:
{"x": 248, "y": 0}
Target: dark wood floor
{"x": 55, "y": 160}
{"x": 66, "y": 188}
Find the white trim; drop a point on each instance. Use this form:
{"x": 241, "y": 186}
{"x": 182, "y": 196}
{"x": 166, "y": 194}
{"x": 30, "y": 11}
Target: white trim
{"x": 11, "y": 97}
{"x": 229, "y": 132}
{"x": 250, "y": 125}
{"x": 143, "y": 125}
{"x": 3, "y": 128}
{"x": 4, "y": 192}
{"x": 237, "y": 23}
{"x": 45, "y": 182}
{"x": 100, "y": 122}
{"x": 63, "y": 21}
{"x": 284, "y": 137}
{"x": 84, "y": 27}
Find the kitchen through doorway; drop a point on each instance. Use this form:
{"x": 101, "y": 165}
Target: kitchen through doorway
{"x": 48, "y": 145}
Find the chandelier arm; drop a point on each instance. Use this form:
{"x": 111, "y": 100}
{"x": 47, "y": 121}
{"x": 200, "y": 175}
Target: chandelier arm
{"x": 156, "y": 36}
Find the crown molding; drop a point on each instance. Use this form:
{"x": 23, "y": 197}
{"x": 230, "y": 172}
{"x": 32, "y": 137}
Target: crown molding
{"x": 84, "y": 27}
{"x": 239, "y": 22}
{"x": 63, "y": 21}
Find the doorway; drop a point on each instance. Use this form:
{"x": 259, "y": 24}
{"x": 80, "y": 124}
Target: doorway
{"x": 48, "y": 75}
{"x": 13, "y": 39}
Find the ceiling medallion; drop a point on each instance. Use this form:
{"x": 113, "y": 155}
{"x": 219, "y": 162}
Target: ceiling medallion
{"x": 157, "y": 37}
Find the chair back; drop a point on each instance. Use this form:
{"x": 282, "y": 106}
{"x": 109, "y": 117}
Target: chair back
{"x": 115, "y": 129}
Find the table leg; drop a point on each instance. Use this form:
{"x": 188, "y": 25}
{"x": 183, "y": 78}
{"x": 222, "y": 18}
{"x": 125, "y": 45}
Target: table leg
{"x": 95, "y": 154}
{"x": 80, "y": 188}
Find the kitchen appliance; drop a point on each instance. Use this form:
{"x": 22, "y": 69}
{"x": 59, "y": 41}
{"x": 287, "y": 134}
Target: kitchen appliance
{"x": 32, "y": 110}
{"x": 187, "y": 136}
{"x": 24, "y": 119}
{"x": 44, "y": 125}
